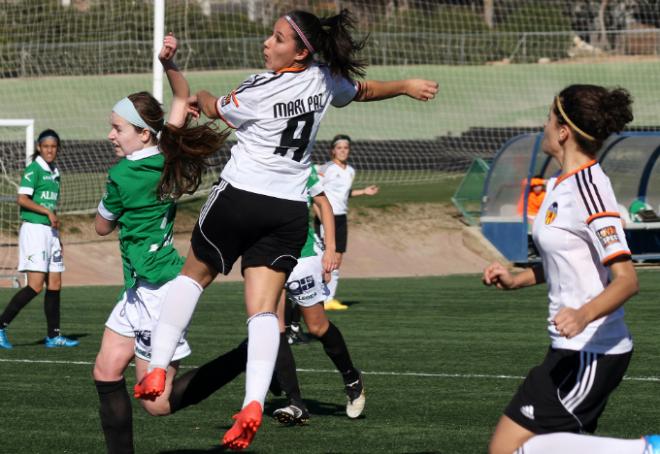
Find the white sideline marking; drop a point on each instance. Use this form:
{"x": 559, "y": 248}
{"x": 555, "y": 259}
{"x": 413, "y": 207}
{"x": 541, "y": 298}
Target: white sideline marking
{"x": 333, "y": 371}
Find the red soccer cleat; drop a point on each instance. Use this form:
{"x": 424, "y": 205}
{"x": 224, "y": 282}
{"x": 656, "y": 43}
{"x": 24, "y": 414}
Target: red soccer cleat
{"x": 151, "y": 386}
{"x": 245, "y": 428}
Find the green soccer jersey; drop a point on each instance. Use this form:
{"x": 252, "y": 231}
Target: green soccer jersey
{"x": 146, "y": 223}
{"x": 42, "y": 184}
{"x": 314, "y": 188}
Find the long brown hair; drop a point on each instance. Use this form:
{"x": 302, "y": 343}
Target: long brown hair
{"x": 185, "y": 149}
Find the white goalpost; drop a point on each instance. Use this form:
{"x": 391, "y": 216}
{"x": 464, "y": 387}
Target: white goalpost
{"x": 16, "y": 149}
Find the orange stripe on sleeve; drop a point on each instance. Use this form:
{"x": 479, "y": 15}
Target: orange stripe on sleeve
{"x": 611, "y": 257}
{"x": 604, "y": 214}
{"x": 220, "y": 116}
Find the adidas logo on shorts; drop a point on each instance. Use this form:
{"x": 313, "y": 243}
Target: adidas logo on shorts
{"x": 528, "y": 411}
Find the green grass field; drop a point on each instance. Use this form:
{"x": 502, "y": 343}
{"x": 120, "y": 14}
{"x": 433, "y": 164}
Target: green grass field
{"x": 509, "y": 95}
{"x": 441, "y": 357}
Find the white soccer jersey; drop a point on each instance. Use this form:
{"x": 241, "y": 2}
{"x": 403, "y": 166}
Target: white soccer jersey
{"x": 276, "y": 117}
{"x": 578, "y": 232}
{"x": 337, "y": 183}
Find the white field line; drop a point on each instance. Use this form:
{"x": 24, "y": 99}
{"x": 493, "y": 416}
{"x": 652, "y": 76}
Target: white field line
{"x": 332, "y": 371}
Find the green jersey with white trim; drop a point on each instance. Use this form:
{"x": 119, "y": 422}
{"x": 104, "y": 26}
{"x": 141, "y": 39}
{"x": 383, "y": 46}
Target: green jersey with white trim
{"x": 146, "y": 223}
{"x": 41, "y": 182}
{"x": 314, "y": 188}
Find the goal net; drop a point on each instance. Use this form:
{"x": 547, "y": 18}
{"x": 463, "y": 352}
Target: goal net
{"x": 498, "y": 62}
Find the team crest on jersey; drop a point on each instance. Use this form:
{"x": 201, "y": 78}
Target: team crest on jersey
{"x": 231, "y": 97}
{"x": 607, "y": 235}
{"x": 551, "y": 214}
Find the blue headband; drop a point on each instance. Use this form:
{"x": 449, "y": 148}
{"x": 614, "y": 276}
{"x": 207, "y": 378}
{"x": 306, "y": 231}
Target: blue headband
{"x": 128, "y": 112}
{"x": 48, "y": 136}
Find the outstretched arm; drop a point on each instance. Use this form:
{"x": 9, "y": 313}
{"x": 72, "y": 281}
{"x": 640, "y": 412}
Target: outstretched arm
{"x": 369, "y": 190}
{"x": 375, "y": 90}
{"x": 178, "y": 83}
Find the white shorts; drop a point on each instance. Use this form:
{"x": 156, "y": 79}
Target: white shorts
{"x": 39, "y": 249}
{"x": 305, "y": 285}
{"x": 136, "y": 315}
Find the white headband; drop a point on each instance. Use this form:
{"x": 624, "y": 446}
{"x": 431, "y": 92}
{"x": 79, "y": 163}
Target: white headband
{"x": 128, "y": 112}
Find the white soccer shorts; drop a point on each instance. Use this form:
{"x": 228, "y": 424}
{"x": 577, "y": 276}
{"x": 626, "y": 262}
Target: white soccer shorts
{"x": 136, "y": 315}
{"x": 39, "y": 249}
{"x": 305, "y": 285}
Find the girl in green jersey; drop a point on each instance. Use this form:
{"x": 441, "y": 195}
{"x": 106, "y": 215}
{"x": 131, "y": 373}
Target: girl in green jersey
{"x": 40, "y": 249}
{"x": 145, "y": 215}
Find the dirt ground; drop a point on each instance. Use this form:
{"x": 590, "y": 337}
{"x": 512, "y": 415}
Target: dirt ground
{"x": 411, "y": 240}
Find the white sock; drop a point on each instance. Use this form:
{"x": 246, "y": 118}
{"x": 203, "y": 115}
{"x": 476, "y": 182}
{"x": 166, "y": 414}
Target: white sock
{"x": 332, "y": 285}
{"x": 263, "y": 343}
{"x": 570, "y": 443}
{"x": 175, "y": 316}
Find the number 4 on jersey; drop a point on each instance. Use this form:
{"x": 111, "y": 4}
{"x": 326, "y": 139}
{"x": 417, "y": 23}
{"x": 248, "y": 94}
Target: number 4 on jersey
{"x": 298, "y": 144}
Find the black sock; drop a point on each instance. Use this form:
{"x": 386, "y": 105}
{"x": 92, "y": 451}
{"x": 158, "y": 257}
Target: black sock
{"x": 295, "y": 315}
{"x": 52, "y": 311}
{"x": 18, "y": 302}
{"x": 198, "y": 384}
{"x": 285, "y": 370}
{"x": 116, "y": 416}
{"x": 335, "y": 348}
{"x": 288, "y": 312}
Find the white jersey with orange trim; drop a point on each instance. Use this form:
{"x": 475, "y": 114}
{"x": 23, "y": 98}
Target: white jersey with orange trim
{"x": 276, "y": 117}
{"x": 578, "y": 232}
{"x": 337, "y": 183}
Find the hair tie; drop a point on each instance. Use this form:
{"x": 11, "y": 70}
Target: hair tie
{"x": 302, "y": 36}
{"x": 571, "y": 124}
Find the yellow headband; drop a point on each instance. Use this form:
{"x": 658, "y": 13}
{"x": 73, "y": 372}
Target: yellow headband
{"x": 571, "y": 124}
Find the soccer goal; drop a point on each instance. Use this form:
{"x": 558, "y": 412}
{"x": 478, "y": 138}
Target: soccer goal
{"x": 16, "y": 149}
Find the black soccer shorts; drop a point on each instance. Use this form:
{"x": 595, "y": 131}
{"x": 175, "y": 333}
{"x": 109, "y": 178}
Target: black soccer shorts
{"x": 263, "y": 230}
{"x": 567, "y": 392}
{"x": 341, "y": 231}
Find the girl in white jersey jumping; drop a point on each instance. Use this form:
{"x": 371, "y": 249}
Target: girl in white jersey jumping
{"x": 258, "y": 209}
{"x": 587, "y": 266}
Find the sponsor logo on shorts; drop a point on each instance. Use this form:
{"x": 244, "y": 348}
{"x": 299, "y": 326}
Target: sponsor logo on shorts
{"x": 527, "y": 411}
{"x": 57, "y": 257}
{"x": 143, "y": 338}
{"x": 551, "y": 214}
{"x": 607, "y": 235}
{"x": 300, "y": 286}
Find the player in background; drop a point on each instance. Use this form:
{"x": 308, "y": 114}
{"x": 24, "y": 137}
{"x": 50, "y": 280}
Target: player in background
{"x": 587, "y": 266}
{"x": 140, "y": 198}
{"x": 306, "y": 289}
{"x": 40, "y": 248}
{"x": 337, "y": 176}
{"x": 258, "y": 209}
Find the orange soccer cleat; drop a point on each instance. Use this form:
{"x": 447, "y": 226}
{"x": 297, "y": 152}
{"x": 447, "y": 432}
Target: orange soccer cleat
{"x": 245, "y": 428}
{"x": 151, "y": 386}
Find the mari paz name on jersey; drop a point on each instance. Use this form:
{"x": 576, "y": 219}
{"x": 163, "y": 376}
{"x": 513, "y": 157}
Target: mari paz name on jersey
{"x": 298, "y": 107}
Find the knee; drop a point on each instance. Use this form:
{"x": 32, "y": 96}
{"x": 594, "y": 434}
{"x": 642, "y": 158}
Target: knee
{"x": 105, "y": 370}
{"x": 36, "y": 286}
{"x": 318, "y": 329}
{"x": 158, "y": 407}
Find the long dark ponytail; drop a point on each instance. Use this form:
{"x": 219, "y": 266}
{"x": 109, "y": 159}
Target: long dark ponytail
{"x": 331, "y": 38}
{"x": 185, "y": 149}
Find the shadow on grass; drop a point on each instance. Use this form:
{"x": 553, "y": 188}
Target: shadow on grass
{"x": 40, "y": 341}
{"x": 315, "y": 407}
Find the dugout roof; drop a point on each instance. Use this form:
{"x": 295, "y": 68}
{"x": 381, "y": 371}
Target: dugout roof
{"x": 629, "y": 159}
